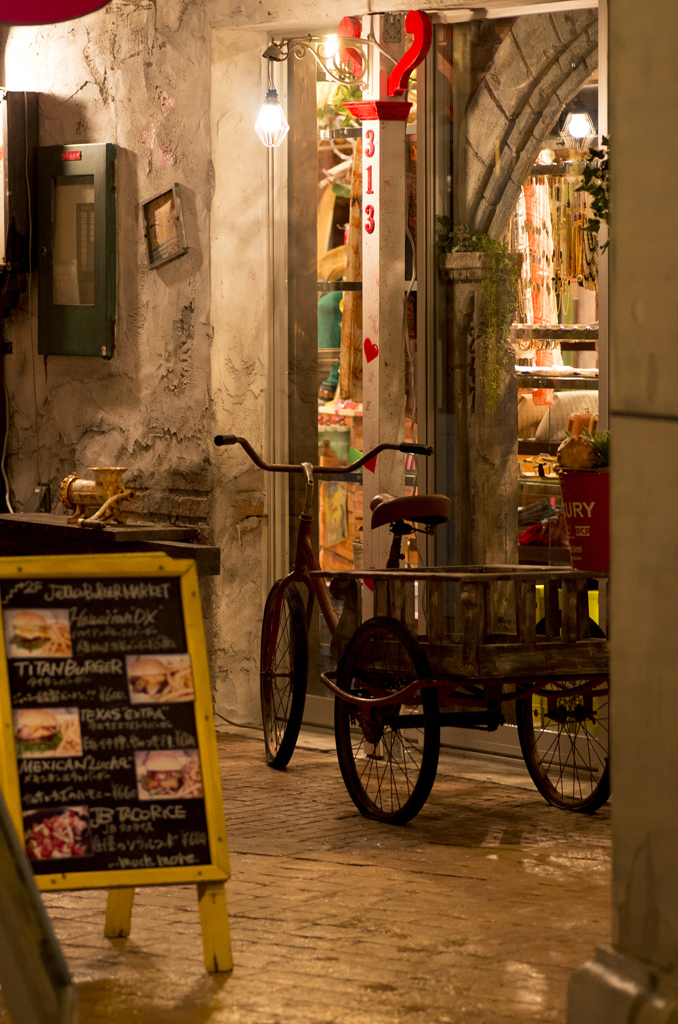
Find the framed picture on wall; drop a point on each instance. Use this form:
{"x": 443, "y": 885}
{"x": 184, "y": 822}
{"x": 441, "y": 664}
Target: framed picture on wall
{"x": 164, "y": 227}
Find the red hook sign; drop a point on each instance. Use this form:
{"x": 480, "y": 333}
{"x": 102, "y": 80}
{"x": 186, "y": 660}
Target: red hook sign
{"x": 417, "y": 23}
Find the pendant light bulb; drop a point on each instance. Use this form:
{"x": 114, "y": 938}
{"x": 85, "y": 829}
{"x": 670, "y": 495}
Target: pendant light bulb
{"x": 271, "y": 126}
{"x": 579, "y": 126}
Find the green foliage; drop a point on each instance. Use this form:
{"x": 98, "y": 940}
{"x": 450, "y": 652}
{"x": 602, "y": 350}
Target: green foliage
{"x": 334, "y": 114}
{"x": 597, "y": 184}
{"x": 500, "y": 295}
{"x": 601, "y": 443}
{"x": 460, "y": 239}
{"x": 342, "y": 191}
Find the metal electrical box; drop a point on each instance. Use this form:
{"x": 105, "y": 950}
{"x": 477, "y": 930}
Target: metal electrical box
{"x": 76, "y": 241}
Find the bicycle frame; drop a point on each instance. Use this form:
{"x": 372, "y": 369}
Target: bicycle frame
{"x": 305, "y": 559}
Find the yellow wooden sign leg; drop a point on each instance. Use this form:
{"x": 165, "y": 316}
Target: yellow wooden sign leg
{"x": 119, "y": 913}
{"x": 216, "y": 935}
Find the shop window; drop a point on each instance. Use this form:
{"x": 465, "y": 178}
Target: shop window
{"x": 506, "y": 167}
{"x": 492, "y": 116}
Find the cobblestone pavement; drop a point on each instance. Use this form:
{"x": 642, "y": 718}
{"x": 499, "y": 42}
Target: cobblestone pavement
{"x": 474, "y": 913}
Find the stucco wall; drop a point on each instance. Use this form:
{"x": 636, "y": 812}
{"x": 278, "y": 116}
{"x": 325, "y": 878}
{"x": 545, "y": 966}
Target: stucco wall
{"x": 137, "y": 75}
{"x": 240, "y": 357}
{"x": 140, "y": 79}
{"x": 140, "y": 75}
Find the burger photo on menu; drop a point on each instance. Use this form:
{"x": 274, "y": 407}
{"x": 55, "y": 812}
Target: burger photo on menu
{"x": 168, "y": 774}
{"x": 159, "y": 680}
{"x": 33, "y": 633}
{"x": 47, "y": 732}
{"x": 57, "y": 832}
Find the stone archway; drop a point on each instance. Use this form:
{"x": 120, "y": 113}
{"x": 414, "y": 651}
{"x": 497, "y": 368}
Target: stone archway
{"x": 540, "y": 65}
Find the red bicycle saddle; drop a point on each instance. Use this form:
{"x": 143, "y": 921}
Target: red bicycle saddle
{"x": 431, "y": 509}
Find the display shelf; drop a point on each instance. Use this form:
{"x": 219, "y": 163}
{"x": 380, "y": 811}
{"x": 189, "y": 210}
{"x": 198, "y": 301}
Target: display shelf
{"x": 570, "y": 337}
{"x": 354, "y": 286}
{"x": 528, "y": 489}
{"x": 568, "y": 332}
{"x": 339, "y": 133}
{"x": 567, "y": 169}
{"x": 340, "y": 286}
{"x": 529, "y": 446}
{"x": 556, "y": 382}
{"x": 578, "y": 346}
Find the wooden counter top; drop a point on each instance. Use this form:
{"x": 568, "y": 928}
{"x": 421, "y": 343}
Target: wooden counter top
{"x": 42, "y": 533}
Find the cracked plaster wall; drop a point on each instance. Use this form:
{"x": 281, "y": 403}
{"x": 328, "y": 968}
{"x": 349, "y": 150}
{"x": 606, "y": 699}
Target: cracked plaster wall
{"x": 138, "y": 75}
{"x": 240, "y": 305}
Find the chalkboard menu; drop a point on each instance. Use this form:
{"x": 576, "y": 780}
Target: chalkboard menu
{"x": 108, "y": 735}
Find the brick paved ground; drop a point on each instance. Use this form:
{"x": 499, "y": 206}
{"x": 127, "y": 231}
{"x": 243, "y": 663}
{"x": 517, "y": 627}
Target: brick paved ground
{"x": 474, "y": 913}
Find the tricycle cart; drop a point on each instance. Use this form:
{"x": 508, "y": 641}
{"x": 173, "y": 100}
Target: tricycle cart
{"x": 446, "y": 647}
{"x": 493, "y": 635}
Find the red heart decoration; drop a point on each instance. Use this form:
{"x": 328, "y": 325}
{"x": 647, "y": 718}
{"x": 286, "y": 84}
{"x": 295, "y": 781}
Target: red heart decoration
{"x": 371, "y": 350}
{"x": 352, "y": 59}
{"x": 371, "y": 464}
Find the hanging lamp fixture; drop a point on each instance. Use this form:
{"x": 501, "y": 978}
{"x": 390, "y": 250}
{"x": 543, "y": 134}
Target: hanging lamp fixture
{"x": 578, "y": 131}
{"x": 271, "y": 126}
{"x": 342, "y": 57}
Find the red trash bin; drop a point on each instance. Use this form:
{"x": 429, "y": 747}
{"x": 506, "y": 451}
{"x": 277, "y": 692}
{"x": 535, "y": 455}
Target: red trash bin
{"x": 586, "y": 499}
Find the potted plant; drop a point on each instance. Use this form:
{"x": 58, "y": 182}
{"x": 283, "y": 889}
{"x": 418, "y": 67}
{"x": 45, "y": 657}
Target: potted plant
{"x": 583, "y": 462}
{"x": 488, "y": 260}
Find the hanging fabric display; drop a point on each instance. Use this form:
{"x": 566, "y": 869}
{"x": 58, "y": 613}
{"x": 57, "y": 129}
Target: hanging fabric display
{"x": 540, "y": 243}
{"x": 520, "y": 242}
{"x": 575, "y": 255}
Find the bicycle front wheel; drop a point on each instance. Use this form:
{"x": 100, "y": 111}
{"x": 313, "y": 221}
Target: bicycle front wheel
{"x": 283, "y": 674}
{"x": 388, "y": 755}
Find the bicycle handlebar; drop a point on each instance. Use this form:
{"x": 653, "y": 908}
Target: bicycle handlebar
{"x": 409, "y": 449}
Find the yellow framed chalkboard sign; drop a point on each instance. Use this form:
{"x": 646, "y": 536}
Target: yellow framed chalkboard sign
{"x": 108, "y": 756}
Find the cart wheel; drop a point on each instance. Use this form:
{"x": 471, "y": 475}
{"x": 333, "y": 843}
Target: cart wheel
{"x": 283, "y": 680}
{"x": 564, "y": 737}
{"x": 388, "y": 755}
